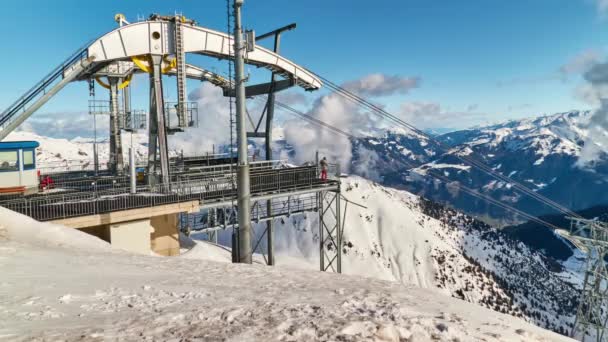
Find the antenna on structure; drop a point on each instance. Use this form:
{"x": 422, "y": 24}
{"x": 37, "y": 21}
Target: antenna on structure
{"x": 592, "y": 315}
{"x": 121, "y": 19}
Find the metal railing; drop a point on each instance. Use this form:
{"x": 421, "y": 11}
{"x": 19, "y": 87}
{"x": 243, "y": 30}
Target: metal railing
{"x": 172, "y": 115}
{"x": 41, "y": 87}
{"x": 224, "y": 217}
{"x": 66, "y": 166}
{"x": 102, "y": 107}
{"x": 99, "y": 198}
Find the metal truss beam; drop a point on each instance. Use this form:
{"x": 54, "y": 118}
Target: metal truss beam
{"x": 330, "y": 231}
{"x": 222, "y": 216}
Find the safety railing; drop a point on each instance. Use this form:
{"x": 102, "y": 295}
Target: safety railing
{"x": 41, "y": 87}
{"x": 66, "y": 166}
{"x": 224, "y": 217}
{"x": 102, "y": 107}
{"x": 99, "y": 197}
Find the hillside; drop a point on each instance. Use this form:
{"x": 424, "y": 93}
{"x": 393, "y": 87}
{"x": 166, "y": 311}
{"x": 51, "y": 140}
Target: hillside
{"x": 401, "y": 237}
{"x": 76, "y": 288}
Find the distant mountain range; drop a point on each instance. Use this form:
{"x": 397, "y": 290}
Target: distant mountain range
{"x": 540, "y": 153}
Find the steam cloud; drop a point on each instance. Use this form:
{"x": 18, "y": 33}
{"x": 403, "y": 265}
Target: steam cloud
{"x": 307, "y": 138}
{"x": 213, "y": 125}
{"x": 596, "y": 91}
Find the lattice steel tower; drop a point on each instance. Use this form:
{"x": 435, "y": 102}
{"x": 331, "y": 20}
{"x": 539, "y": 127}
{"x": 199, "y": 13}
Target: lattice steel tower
{"x": 591, "y": 236}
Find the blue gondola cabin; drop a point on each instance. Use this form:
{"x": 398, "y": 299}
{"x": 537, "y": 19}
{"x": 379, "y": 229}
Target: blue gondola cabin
{"x": 18, "y": 167}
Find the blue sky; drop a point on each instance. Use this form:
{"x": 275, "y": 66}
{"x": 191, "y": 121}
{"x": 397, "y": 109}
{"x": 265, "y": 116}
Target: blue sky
{"x": 499, "y": 59}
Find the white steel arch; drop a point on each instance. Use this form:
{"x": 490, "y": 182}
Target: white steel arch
{"x": 150, "y": 37}
{"x": 154, "y": 37}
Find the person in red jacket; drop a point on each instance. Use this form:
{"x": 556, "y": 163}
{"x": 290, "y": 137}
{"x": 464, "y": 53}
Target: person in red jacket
{"x": 323, "y": 164}
{"x": 47, "y": 182}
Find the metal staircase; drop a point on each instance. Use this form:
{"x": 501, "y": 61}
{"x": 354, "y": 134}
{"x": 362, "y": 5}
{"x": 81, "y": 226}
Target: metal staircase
{"x": 43, "y": 91}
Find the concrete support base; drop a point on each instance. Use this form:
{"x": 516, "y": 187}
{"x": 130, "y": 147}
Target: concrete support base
{"x": 158, "y": 234}
{"x": 165, "y": 236}
{"x": 131, "y": 236}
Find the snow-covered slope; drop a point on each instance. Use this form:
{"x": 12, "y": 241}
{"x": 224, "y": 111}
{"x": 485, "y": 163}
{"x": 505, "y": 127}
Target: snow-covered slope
{"x": 402, "y": 237}
{"x": 51, "y": 289}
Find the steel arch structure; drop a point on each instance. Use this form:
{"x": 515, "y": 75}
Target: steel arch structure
{"x": 152, "y": 37}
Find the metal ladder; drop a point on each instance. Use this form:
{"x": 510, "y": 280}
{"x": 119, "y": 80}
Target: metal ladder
{"x": 180, "y": 55}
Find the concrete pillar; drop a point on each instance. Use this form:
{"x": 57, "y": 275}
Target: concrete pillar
{"x": 131, "y": 236}
{"x": 165, "y": 235}
{"x": 102, "y": 232}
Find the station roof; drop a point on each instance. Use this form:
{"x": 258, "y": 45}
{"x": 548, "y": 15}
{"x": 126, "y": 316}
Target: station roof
{"x": 15, "y": 145}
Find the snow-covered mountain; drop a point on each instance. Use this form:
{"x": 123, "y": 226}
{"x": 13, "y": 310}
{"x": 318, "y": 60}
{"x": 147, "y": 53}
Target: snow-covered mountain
{"x": 540, "y": 153}
{"x": 405, "y": 238}
{"x": 402, "y": 237}
{"x": 61, "y": 284}
{"x": 58, "y": 154}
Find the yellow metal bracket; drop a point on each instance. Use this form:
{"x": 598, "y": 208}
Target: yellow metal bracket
{"x": 143, "y": 62}
{"x": 122, "y": 85}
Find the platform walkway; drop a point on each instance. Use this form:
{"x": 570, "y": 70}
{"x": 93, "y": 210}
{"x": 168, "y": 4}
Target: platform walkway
{"x": 208, "y": 191}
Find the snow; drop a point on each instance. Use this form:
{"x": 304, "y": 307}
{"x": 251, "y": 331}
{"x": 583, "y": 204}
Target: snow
{"x": 61, "y": 154}
{"x": 56, "y": 286}
{"x": 27, "y": 230}
{"x": 433, "y": 165}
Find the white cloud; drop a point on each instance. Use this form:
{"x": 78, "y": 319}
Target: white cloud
{"x": 213, "y": 125}
{"x": 341, "y": 113}
{"x": 426, "y": 115}
{"x": 66, "y": 125}
{"x": 292, "y": 98}
{"x": 307, "y": 138}
{"x": 602, "y": 6}
{"x": 382, "y": 85}
{"x": 582, "y": 62}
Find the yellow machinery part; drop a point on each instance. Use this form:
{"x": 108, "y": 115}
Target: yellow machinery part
{"x": 126, "y": 82}
{"x": 122, "y": 85}
{"x": 143, "y": 62}
{"x": 102, "y": 83}
{"x": 140, "y": 60}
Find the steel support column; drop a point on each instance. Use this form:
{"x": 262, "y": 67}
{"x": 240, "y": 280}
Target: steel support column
{"x": 157, "y": 139}
{"x": 127, "y": 120}
{"x": 116, "y": 158}
{"x": 268, "y": 146}
{"x": 243, "y": 180}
